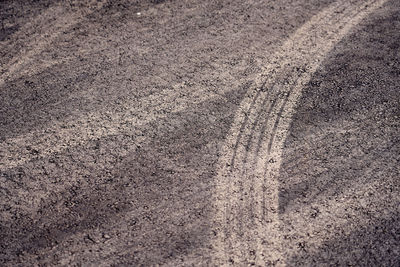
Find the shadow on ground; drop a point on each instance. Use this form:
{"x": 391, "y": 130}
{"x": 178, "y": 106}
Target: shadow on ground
{"x": 345, "y": 135}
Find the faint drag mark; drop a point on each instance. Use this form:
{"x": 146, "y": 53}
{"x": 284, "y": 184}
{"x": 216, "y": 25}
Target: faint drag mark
{"x": 52, "y": 23}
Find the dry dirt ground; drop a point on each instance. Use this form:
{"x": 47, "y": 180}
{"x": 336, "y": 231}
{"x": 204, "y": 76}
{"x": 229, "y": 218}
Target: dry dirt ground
{"x": 200, "y": 133}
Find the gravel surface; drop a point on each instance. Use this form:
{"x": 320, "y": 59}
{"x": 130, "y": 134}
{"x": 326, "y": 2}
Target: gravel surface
{"x": 205, "y": 133}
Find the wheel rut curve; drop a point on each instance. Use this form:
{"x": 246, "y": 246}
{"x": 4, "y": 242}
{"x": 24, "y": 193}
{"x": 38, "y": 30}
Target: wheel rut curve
{"x": 247, "y": 183}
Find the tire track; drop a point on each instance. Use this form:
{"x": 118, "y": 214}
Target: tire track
{"x": 237, "y": 141}
{"x": 247, "y": 196}
{"x": 247, "y": 190}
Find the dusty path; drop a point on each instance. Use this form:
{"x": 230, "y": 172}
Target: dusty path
{"x": 177, "y": 133}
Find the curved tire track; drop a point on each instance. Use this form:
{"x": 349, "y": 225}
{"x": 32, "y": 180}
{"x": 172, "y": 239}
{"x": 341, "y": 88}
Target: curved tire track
{"x": 247, "y": 185}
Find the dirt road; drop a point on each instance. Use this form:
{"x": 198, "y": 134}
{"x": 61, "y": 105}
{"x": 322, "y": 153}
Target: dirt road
{"x": 201, "y": 133}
